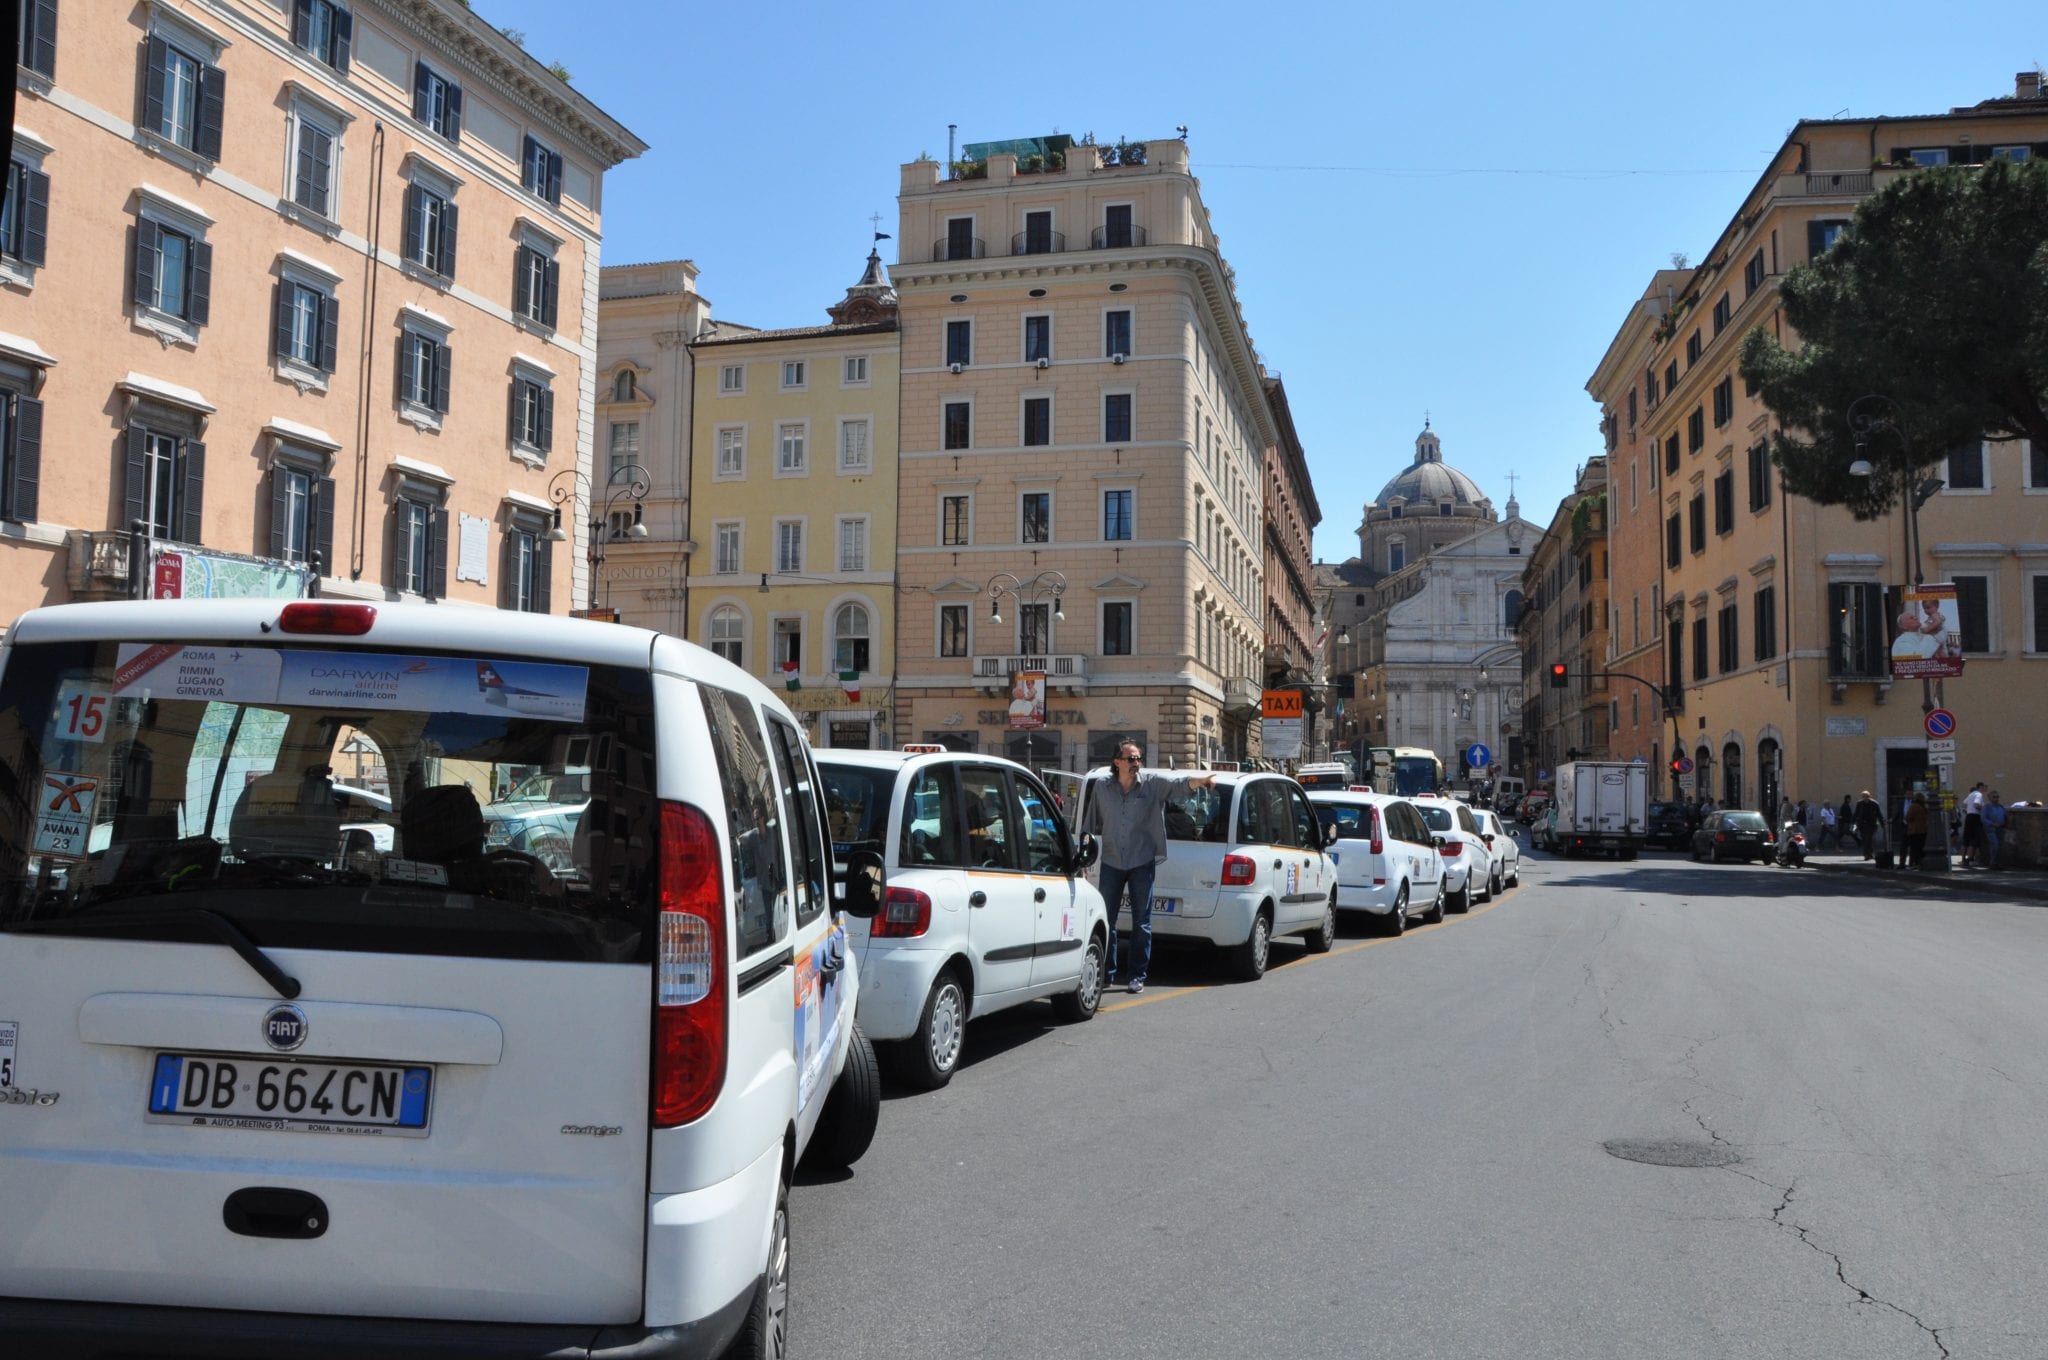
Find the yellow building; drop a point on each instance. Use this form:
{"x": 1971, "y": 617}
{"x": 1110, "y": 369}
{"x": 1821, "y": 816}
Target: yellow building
{"x": 792, "y": 521}
{"x": 348, "y": 250}
{"x": 1774, "y": 610}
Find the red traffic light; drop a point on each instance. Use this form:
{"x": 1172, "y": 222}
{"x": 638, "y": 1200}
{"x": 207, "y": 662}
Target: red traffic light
{"x": 1560, "y": 677}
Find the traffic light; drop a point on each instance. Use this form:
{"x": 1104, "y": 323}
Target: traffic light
{"x": 1676, "y": 764}
{"x": 1560, "y": 676}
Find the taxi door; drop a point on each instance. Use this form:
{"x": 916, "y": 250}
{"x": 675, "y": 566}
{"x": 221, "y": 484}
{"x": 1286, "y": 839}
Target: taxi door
{"x": 1055, "y": 893}
{"x": 1002, "y": 918}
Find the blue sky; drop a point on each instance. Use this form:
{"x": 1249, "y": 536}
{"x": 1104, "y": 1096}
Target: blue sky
{"x": 1443, "y": 208}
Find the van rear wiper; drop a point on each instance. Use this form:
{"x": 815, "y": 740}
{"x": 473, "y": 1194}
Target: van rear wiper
{"x": 223, "y": 928}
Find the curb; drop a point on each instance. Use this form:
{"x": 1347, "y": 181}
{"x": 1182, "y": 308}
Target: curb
{"x": 1955, "y": 881}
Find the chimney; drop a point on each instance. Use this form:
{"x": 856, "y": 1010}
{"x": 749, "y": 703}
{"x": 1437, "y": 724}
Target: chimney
{"x": 2027, "y": 85}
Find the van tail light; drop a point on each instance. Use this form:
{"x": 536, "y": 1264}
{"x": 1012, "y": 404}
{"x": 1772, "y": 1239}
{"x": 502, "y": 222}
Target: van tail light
{"x": 1379, "y": 844}
{"x": 1453, "y": 849}
{"x": 690, "y": 1022}
{"x": 906, "y": 914}
{"x": 1239, "y": 871}
{"x": 332, "y": 620}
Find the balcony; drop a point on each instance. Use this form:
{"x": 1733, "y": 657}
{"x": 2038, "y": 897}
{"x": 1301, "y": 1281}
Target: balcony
{"x": 1855, "y": 182}
{"x": 1116, "y": 238}
{"x": 1241, "y": 695}
{"x": 1058, "y": 669}
{"x": 964, "y": 248}
{"x": 1038, "y": 242}
{"x": 100, "y": 564}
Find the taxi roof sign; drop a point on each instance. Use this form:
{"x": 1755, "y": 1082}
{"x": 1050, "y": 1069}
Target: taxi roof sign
{"x": 922, "y": 748}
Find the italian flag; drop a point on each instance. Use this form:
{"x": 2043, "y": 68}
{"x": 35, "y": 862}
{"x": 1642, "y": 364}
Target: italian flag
{"x": 850, "y": 682}
{"x": 789, "y": 676}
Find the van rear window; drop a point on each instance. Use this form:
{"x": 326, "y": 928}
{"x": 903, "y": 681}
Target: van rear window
{"x": 349, "y": 800}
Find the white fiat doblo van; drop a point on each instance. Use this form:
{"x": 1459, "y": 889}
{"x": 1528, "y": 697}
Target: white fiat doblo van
{"x": 279, "y": 1082}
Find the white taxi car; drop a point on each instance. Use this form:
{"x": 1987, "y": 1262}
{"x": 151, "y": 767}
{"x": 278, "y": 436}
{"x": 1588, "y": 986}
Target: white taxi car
{"x": 986, "y": 907}
{"x": 1386, "y": 862}
{"x": 1505, "y": 851}
{"x": 1246, "y": 860}
{"x": 1468, "y": 863}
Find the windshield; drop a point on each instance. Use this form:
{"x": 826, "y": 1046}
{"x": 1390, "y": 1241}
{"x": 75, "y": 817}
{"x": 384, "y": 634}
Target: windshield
{"x": 149, "y": 779}
{"x": 1439, "y": 819}
{"x": 1350, "y": 821}
{"x": 1415, "y": 774}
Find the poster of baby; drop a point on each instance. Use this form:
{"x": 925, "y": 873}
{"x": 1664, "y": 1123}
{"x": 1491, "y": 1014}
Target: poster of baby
{"x": 1929, "y": 641}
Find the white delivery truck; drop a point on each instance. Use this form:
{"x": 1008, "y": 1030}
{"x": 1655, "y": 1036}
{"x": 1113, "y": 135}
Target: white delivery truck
{"x": 1602, "y": 805}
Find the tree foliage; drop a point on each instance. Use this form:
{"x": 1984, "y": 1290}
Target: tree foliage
{"x": 1936, "y": 298}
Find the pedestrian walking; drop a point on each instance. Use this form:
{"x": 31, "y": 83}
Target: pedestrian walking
{"x": 1845, "y": 820}
{"x": 1829, "y": 834}
{"x": 1799, "y": 814}
{"x": 1973, "y": 825}
{"x": 1868, "y": 817}
{"x": 1916, "y": 829}
{"x": 1128, "y": 813}
{"x": 1994, "y": 828}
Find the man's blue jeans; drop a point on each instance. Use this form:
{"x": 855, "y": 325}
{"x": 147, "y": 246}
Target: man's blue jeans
{"x": 1139, "y": 882}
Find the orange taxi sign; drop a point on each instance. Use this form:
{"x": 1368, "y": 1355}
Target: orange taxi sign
{"x": 1281, "y": 703}
{"x": 922, "y": 748}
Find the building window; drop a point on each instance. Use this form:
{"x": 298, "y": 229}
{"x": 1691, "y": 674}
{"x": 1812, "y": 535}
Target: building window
{"x": 622, "y": 446}
{"x": 21, "y": 443}
{"x": 1692, "y": 348}
{"x": 1998, "y": 153}
{"x": 1397, "y": 554}
{"x": 2037, "y": 645}
{"x": 437, "y": 102}
{"x": 958, "y": 423}
{"x": 1966, "y": 468}
{"x": 732, "y": 452}
{"x": 955, "y": 520}
{"x": 732, "y": 378}
{"x": 1764, "y": 615}
{"x": 25, "y": 214}
{"x": 1034, "y": 629}
{"x": 1511, "y": 609}
{"x": 789, "y": 545}
{"x": 1724, "y": 502}
{"x": 1037, "y": 338}
{"x": 1035, "y": 517}
{"x": 1722, "y": 311}
{"x": 1929, "y": 155}
{"x": 1118, "y": 519}
{"x": 1116, "y": 332}
{"x": 1973, "y": 612}
{"x": 853, "y": 543}
{"x": 961, "y": 242}
{"x": 1696, "y": 521}
{"x": 1116, "y": 418}
{"x": 1672, "y": 454}
{"x": 314, "y": 140}
{"x": 853, "y": 446}
{"x": 1856, "y": 634}
{"x": 536, "y": 285}
{"x": 1118, "y": 230}
{"x": 1037, "y": 233}
{"x": 727, "y": 631}
{"x": 532, "y": 413}
{"x": 725, "y": 549}
{"x": 183, "y": 98}
{"x": 854, "y": 372}
{"x": 1753, "y": 273}
{"x": 850, "y": 638}
{"x": 1117, "y": 628}
{"x": 304, "y": 325}
{"x": 1037, "y": 421}
{"x": 789, "y": 645}
{"x": 423, "y": 366}
{"x": 419, "y": 546}
{"x": 1696, "y": 430}
{"x": 165, "y": 480}
{"x": 790, "y": 459}
{"x": 324, "y": 29}
{"x": 793, "y": 375}
{"x": 1672, "y": 540}
{"x": 540, "y": 171}
{"x": 37, "y": 37}
{"x": 1729, "y": 624}
{"x": 173, "y": 271}
{"x": 1822, "y": 234}
{"x": 953, "y": 630}
{"x": 1759, "y": 476}
{"x": 430, "y": 222}
{"x": 2035, "y": 459}
{"x": 1724, "y": 402}
{"x": 1699, "y": 648}
{"x": 960, "y": 342}
{"x": 529, "y": 563}
{"x": 626, "y": 386}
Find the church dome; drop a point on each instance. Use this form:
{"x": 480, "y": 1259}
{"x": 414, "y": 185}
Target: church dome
{"x": 1429, "y": 480}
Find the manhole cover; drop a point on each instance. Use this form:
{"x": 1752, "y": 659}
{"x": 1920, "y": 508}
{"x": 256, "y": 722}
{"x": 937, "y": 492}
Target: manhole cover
{"x": 1671, "y": 1152}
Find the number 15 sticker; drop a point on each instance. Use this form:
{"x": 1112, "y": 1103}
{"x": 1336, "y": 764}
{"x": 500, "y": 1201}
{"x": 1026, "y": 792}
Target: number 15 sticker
{"x": 82, "y": 712}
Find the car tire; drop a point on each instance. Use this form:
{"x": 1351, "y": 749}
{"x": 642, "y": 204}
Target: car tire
{"x": 1248, "y": 960}
{"x": 928, "y": 1058}
{"x": 1323, "y": 938}
{"x": 1714, "y": 856}
{"x": 1460, "y": 901}
{"x": 765, "y": 1333}
{"x": 1435, "y": 915}
{"x": 853, "y": 1108}
{"x": 1396, "y": 923}
{"x": 1086, "y": 998}
{"x": 1494, "y": 885}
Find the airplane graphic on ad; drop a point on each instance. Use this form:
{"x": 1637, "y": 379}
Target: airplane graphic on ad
{"x": 539, "y": 703}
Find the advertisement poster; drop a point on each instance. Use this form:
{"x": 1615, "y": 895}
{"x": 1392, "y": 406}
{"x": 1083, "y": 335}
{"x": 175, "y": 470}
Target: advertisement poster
{"x": 1027, "y": 698}
{"x": 1928, "y": 644}
{"x": 421, "y": 684}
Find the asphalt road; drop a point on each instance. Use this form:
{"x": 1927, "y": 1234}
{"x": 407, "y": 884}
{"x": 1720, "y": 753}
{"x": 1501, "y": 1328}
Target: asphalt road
{"x": 1400, "y": 1148}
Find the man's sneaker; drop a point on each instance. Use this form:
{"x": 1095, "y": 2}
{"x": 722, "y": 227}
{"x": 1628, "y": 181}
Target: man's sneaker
{"x": 1137, "y": 985}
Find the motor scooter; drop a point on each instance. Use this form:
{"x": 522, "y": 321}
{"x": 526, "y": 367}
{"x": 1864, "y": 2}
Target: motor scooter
{"x": 1792, "y": 846}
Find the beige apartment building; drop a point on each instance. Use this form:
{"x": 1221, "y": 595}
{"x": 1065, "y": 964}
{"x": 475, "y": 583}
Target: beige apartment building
{"x": 1564, "y": 619}
{"x": 1293, "y": 657}
{"x": 793, "y": 491}
{"x": 1084, "y": 433}
{"x": 348, "y": 249}
{"x": 1775, "y": 610}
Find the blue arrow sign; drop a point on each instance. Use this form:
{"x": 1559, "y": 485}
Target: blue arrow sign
{"x": 1477, "y": 757}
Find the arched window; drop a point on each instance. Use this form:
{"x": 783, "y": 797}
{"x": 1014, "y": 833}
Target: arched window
{"x": 1511, "y": 608}
{"x": 1731, "y": 776}
{"x": 1767, "y": 777}
{"x": 1397, "y": 553}
{"x": 850, "y": 638}
{"x": 728, "y": 630}
{"x": 1703, "y": 771}
{"x": 625, "y": 387}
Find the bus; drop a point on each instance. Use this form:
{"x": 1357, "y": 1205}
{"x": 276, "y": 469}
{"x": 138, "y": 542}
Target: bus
{"x": 1406, "y": 770}
{"x": 1325, "y": 774}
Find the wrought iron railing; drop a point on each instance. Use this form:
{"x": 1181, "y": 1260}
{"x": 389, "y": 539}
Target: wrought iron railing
{"x": 963, "y": 248}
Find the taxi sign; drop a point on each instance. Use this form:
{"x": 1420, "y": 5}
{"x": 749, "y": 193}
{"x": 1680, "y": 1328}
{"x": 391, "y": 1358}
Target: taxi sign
{"x": 1281, "y": 703}
{"x": 922, "y": 748}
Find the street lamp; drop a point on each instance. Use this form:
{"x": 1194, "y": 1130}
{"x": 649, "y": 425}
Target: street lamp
{"x": 1045, "y": 584}
{"x": 628, "y": 481}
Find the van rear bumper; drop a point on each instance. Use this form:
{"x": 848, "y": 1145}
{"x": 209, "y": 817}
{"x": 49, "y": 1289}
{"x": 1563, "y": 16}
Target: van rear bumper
{"x": 60, "y": 1329}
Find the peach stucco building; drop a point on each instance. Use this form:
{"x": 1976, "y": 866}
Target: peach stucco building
{"x": 295, "y": 289}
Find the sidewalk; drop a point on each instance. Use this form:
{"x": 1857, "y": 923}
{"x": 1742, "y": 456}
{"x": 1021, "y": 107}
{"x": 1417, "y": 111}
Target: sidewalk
{"x": 2026, "y": 883}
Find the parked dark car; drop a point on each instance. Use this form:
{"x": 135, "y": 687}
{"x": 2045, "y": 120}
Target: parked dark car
{"x": 1670, "y": 825}
{"x": 1734, "y": 835}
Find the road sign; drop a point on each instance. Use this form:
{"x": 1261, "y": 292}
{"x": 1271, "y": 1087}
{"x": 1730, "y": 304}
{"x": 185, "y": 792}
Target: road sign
{"x": 1685, "y": 765}
{"x": 1637, "y": 761}
{"x": 1477, "y": 756}
{"x": 1947, "y": 757}
{"x": 1941, "y": 746}
{"x": 1939, "y": 722}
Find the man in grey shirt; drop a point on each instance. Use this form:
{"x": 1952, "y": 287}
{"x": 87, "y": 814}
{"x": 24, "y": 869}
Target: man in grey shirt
{"x": 1128, "y": 813}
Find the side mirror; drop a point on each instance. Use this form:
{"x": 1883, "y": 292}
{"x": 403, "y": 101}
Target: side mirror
{"x": 1331, "y": 835}
{"x": 1437, "y": 841}
{"x": 860, "y": 884}
{"x": 1086, "y": 851}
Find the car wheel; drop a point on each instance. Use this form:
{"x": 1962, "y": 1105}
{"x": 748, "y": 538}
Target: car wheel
{"x": 1081, "y": 1003}
{"x": 1714, "y": 855}
{"x": 1494, "y": 885}
{"x": 1435, "y": 915}
{"x": 852, "y": 1109}
{"x": 1396, "y": 923}
{"x": 1324, "y": 938}
{"x": 1248, "y": 960}
{"x": 765, "y": 1333}
{"x": 1515, "y": 878}
{"x": 1461, "y": 900}
{"x": 927, "y": 1058}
